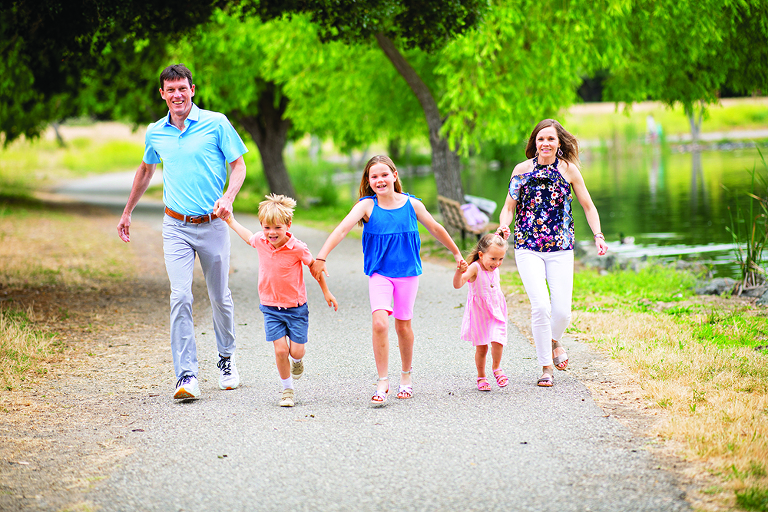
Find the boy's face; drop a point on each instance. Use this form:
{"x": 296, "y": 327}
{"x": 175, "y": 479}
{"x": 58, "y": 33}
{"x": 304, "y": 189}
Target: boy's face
{"x": 277, "y": 234}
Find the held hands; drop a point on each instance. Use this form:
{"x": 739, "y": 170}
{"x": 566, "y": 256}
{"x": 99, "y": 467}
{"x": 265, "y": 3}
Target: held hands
{"x": 223, "y": 208}
{"x": 504, "y": 232}
{"x": 317, "y": 268}
{"x": 462, "y": 266}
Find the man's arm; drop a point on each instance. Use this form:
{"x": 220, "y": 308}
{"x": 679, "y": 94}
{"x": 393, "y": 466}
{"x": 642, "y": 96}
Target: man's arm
{"x": 223, "y": 206}
{"x": 140, "y": 184}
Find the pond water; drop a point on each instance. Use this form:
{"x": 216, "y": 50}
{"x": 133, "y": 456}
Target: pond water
{"x": 663, "y": 203}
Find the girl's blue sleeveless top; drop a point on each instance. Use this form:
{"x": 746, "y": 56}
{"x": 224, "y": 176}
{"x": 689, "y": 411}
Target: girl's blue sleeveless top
{"x": 391, "y": 242}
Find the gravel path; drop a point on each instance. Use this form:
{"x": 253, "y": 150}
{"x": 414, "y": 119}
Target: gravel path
{"x": 449, "y": 448}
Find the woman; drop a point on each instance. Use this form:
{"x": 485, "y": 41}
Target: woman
{"x": 539, "y": 200}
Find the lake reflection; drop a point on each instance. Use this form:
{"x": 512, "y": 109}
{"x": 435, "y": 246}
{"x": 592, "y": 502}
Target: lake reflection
{"x": 662, "y": 203}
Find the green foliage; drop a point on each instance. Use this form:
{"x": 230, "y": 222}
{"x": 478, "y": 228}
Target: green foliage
{"x": 424, "y": 24}
{"x": 685, "y": 52}
{"x": 515, "y": 69}
{"x": 50, "y": 45}
{"x": 753, "y": 498}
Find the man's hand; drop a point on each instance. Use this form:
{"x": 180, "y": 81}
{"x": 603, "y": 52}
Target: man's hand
{"x": 123, "y": 226}
{"x": 223, "y": 208}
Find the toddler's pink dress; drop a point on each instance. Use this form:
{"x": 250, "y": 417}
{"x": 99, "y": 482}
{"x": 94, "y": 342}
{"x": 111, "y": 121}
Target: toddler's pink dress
{"x": 485, "y": 317}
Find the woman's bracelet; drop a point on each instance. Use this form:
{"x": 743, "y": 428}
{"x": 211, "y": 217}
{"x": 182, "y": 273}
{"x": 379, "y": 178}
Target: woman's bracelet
{"x": 319, "y": 259}
{"x": 599, "y": 235}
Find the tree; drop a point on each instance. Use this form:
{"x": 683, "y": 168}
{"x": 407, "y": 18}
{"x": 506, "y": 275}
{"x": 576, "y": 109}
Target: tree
{"x": 684, "y": 52}
{"x": 424, "y": 24}
{"x": 46, "y": 46}
{"x": 479, "y": 71}
{"x": 277, "y": 81}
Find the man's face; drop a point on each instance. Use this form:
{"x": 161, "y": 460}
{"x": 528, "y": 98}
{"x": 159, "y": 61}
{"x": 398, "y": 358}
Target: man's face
{"x": 178, "y": 95}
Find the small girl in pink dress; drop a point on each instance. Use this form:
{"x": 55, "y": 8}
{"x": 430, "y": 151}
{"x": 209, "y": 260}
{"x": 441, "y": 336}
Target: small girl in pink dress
{"x": 485, "y": 317}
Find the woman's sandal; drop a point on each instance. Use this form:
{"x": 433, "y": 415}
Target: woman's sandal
{"x": 561, "y": 361}
{"x": 380, "y": 398}
{"x": 482, "y": 384}
{"x": 501, "y": 379}
{"x": 405, "y": 391}
{"x": 547, "y": 380}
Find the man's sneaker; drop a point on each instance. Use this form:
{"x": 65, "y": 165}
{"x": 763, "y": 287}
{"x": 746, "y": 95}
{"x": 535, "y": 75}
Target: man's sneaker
{"x": 287, "y": 400}
{"x": 297, "y": 369}
{"x": 228, "y": 376}
{"x": 187, "y": 387}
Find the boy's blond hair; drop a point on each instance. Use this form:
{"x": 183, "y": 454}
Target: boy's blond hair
{"x": 277, "y": 209}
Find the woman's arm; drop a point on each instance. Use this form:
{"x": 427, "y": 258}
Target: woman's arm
{"x": 358, "y": 212}
{"x": 436, "y": 229}
{"x": 590, "y": 211}
{"x": 244, "y": 232}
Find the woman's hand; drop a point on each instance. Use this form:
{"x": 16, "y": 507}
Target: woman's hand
{"x": 504, "y": 232}
{"x": 602, "y": 247}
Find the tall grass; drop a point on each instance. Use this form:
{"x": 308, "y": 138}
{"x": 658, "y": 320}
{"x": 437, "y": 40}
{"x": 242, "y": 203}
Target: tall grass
{"x": 749, "y": 230}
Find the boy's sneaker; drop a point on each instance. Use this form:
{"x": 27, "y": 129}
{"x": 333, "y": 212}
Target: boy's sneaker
{"x": 228, "y": 376}
{"x": 287, "y": 400}
{"x": 297, "y": 369}
{"x": 187, "y": 387}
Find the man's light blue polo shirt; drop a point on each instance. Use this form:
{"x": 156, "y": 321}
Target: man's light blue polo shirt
{"x": 194, "y": 159}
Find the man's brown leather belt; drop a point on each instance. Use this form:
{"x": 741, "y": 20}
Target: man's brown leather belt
{"x": 200, "y": 219}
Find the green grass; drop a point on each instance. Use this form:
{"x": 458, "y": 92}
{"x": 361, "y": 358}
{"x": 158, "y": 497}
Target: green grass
{"x": 753, "y": 498}
{"x": 630, "y": 289}
{"x": 663, "y": 290}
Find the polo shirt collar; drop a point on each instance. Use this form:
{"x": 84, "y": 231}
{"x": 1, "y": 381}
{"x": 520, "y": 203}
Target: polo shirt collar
{"x": 288, "y": 244}
{"x": 194, "y": 115}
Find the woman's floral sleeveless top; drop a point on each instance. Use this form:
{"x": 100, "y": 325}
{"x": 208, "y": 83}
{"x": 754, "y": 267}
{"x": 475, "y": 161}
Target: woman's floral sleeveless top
{"x": 543, "y": 218}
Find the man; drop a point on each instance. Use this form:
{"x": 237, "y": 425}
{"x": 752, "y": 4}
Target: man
{"x": 194, "y": 146}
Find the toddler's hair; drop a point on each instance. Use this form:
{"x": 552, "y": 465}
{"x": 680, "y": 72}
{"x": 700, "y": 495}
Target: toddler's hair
{"x": 277, "y": 209}
{"x": 485, "y": 243}
{"x": 365, "y": 185}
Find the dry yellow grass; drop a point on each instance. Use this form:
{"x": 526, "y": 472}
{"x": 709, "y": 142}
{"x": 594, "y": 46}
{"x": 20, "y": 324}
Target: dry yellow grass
{"x": 715, "y": 398}
{"x": 47, "y": 249}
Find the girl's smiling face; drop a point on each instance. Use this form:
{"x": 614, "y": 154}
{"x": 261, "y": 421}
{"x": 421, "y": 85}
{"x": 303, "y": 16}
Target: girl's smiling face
{"x": 492, "y": 258}
{"x": 277, "y": 234}
{"x": 382, "y": 179}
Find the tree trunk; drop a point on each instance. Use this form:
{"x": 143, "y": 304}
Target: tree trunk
{"x": 445, "y": 162}
{"x": 269, "y": 130}
{"x": 695, "y": 125}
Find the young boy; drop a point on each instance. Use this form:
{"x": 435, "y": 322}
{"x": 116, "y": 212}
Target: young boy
{"x": 282, "y": 293}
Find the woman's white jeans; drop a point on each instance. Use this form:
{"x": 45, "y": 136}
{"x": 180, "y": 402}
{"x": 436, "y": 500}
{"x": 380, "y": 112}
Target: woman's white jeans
{"x": 550, "y": 309}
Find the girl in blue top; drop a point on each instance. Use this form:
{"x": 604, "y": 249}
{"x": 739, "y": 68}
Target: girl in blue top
{"x": 391, "y": 259}
{"x": 539, "y": 201}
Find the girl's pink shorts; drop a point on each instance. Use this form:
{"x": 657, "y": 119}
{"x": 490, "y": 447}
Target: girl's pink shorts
{"x": 383, "y": 291}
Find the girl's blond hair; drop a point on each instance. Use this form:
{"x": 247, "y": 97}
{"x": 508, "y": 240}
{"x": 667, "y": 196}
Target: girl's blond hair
{"x": 277, "y": 209}
{"x": 485, "y": 243}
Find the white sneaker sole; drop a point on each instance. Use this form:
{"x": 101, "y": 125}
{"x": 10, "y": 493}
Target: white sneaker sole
{"x": 229, "y": 386}
{"x": 185, "y": 393}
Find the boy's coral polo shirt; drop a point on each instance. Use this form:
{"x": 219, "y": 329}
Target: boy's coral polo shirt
{"x": 281, "y": 275}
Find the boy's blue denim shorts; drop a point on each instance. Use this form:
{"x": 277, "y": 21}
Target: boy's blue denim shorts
{"x": 291, "y": 322}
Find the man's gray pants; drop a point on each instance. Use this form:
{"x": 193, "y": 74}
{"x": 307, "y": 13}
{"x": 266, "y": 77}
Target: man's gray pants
{"x": 210, "y": 241}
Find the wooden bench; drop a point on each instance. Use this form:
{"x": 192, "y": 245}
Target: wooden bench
{"x": 454, "y": 220}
